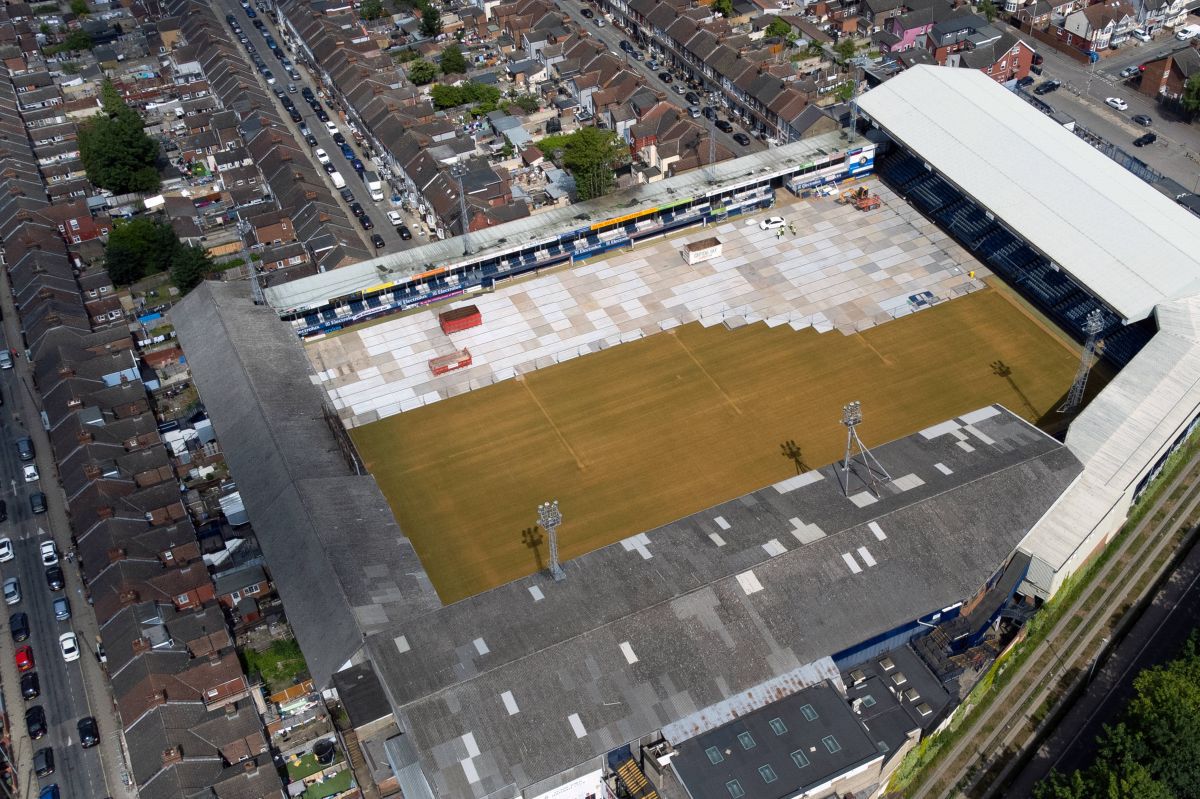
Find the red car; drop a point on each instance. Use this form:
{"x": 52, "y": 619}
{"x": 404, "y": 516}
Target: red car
{"x": 24, "y": 658}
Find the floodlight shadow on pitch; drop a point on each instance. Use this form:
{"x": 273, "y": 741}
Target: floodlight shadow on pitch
{"x": 873, "y": 472}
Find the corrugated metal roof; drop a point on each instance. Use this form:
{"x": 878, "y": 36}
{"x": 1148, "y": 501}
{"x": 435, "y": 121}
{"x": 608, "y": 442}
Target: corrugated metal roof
{"x": 1111, "y": 231}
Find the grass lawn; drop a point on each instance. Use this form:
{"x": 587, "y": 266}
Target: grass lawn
{"x": 648, "y": 432}
{"x": 308, "y": 765}
{"x": 334, "y": 785}
{"x": 279, "y": 665}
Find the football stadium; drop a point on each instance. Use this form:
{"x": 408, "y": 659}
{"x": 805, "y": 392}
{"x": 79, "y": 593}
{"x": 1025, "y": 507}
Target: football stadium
{"x": 742, "y": 552}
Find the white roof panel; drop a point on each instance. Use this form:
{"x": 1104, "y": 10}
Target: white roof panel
{"x": 1107, "y": 228}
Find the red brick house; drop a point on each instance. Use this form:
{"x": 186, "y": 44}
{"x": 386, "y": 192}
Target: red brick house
{"x": 1167, "y": 76}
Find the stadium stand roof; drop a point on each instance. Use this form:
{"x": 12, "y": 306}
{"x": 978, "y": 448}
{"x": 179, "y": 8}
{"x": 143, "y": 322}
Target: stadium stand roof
{"x": 337, "y": 556}
{"x": 699, "y": 621}
{"x": 317, "y": 290}
{"x": 1114, "y": 233}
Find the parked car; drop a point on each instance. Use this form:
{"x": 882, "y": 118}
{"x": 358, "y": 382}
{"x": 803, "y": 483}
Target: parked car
{"x": 37, "y": 502}
{"x": 1144, "y": 139}
{"x": 741, "y": 138}
{"x": 31, "y": 687}
{"x": 347, "y": 195}
{"x": 6, "y": 550}
{"x": 62, "y": 608}
{"x": 310, "y": 140}
{"x": 1116, "y": 102}
{"x": 25, "y": 448}
{"x": 1047, "y": 86}
{"x": 24, "y": 658}
{"x": 70, "y": 647}
{"x": 587, "y": 13}
{"x": 665, "y": 77}
{"x": 1025, "y": 81}
{"x": 1143, "y": 120}
{"x": 12, "y": 591}
{"x": 357, "y": 209}
{"x": 710, "y": 112}
{"x": 49, "y": 553}
{"x": 294, "y": 115}
{"x": 395, "y": 219}
{"x": 1129, "y": 71}
{"x": 378, "y": 241}
{"x": 49, "y": 792}
{"x": 3, "y": 510}
{"x": 724, "y": 126}
{"x": 54, "y": 578}
{"x": 339, "y": 140}
{"x": 405, "y": 233}
{"x": 329, "y": 167}
{"x": 692, "y": 98}
{"x": 332, "y": 128}
{"x": 772, "y": 223}
{"x": 18, "y": 625}
{"x": 366, "y": 222}
{"x": 43, "y": 762}
{"x": 89, "y": 732}
{"x": 35, "y": 722}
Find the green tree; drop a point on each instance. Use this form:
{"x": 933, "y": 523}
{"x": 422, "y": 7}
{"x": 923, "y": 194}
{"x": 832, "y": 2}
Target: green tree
{"x": 421, "y": 72}
{"x": 45, "y": 29}
{"x": 453, "y": 62}
{"x": 778, "y": 28}
{"x": 988, "y": 9}
{"x": 80, "y": 8}
{"x": 116, "y": 152}
{"x": 371, "y": 9}
{"x": 723, "y": 7}
{"x": 189, "y": 267}
{"x": 431, "y": 22}
{"x": 138, "y": 248}
{"x": 590, "y": 154}
{"x": 527, "y": 103}
{"x": 444, "y": 96}
{"x": 75, "y": 42}
{"x": 845, "y": 49}
{"x": 1191, "y": 94}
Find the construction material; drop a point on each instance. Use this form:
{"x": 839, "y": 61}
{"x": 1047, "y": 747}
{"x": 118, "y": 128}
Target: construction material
{"x": 457, "y": 319}
{"x": 448, "y": 363}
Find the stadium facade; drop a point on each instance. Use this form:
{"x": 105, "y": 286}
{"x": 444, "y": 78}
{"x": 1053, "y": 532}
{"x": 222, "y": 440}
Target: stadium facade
{"x": 540, "y": 688}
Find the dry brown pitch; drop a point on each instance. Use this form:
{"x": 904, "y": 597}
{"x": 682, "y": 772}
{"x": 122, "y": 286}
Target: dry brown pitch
{"x": 648, "y": 432}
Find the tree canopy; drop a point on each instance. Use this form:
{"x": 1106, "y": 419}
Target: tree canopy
{"x": 988, "y": 9}
{"x": 723, "y": 7}
{"x": 590, "y": 155}
{"x": 371, "y": 9}
{"x": 189, "y": 265}
{"x": 115, "y": 150}
{"x": 138, "y": 248}
{"x": 482, "y": 95}
{"x": 1154, "y": 752}
{"x": 778, "y": 28}
{"x": 421, "y": 72}
{"x": 1191, "y": 94}
{"x": 431, "y": 21}
{"x": 453, "y": 61}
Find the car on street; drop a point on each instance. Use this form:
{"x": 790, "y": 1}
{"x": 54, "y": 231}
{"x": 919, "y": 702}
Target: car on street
{"x": 54, "y": 578}
{"x": 12, "y": 591}
{"x": 394, "y": 218}
{"x": 357, "y": 209}
{"x": 294, "y": 115}
{"x": 710, "y": 112}
{"x": 24, "y": 658}
{"x": 665, "y": 77}
{"x": 600, "y": 23}
{"x": 1047, "y": 86}
{"x": 1144, "y": 139}
{"x": 742, "y": 139}
{"x": 636, "y": 55}
{"x": 366, "y": 222}
{"x": 49, "y": 553}
{"x": 1129, "y": 71}
{"x": 321, "y": 115}
{"x": 89, "y": 732}
{"x": 35, "y": 722}
{"x": 587, "y": 13}
{"x": 692, "y": 98}
{"x": 62, "y": 608}
{"x": 31, "y": 686}
{"x": 339, "y": 140}
{"x": 43, "y": 762}
{"x": 1143, "y": 120}
{"x": 1025, "y": 81}
{"x": 307, "y": 93}
{"x": 772, "y": 223}
{"x": 322, "y": 156}
{"x": 18, "y": 624}
{"x": 329, "y": 167}
{"x": 347, "y": 195}
{"x": 724, "y": 126}
{"x": 405, "y": 233}
{"x": 332, "y": 128}
{"x": 3, "y": 511}
{"x": 1116, "y": 102}
{"x": 6, "y": 550}
{"x": 37, "y": 502}
{"x": 310, "y": 140}
{"x": 377, "y": 240}
{"x": 25, "y": 448}
{"x": 70, "y": 647}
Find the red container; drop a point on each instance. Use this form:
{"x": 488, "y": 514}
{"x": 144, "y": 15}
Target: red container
{"x": 448, "y": 363}
{"x": 458, "y": 319}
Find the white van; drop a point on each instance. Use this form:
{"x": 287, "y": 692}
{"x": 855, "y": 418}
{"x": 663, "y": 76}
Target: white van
{"x": 1187, "y": 32}
{"x": 338, "y": 180}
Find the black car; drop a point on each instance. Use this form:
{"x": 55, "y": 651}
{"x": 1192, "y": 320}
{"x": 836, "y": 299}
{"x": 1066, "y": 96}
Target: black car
{"x": 710, "y": 112}
{"x": 404, "y": 232}
{"x": 1143, "y": 120}
{"x": 54, "y": 578}
{"x": 665, "y": 77}
{"x": 230, "y": 18}
{"x": 321, "y": 115}
{"x": 692, "y": 98}
{"x": 294, "y": 114}
{"x": 89, "y": 732}
{"x": 307, "y": 93}
{"x": 311, "y": 140}
{"x": 3, "y": 510}
{"x": 741, "y": 138}
{"x": 1047, "y": 87}
{"x": 626, "y": 46}
{"x": 18, "y": 624}
{"x": 366, "y": 222}
{"x": 1025, "y": 81}
{"x": 281, "y": 94}
{"x": 357, "y": 209}
{"x": 1144, "y": 139}
{"x": 30, "y": 686}
{"x": 35, "y": 722}
{"x": 377, "y": 240}
{"x": 587, "y": 13}
{"x": 285, "y": 101}
{"x": 329, "y": 167}
{"x": 43, "y": 762}
{"x": 724, "y": 126}
{"x": 339, "y": 139}
{"x": 347, "y": 195}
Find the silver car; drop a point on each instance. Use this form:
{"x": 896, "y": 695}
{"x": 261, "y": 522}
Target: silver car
{"x": 12, "y": 591}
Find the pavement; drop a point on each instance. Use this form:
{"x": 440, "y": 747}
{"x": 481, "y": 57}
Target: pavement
{"x": 1176, "y": 154}
{"x": 1155, "y": 638}
{"x": 69, "y": 691}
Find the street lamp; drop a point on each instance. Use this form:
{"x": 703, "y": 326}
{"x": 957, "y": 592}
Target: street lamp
{"x": 550, "y": 518}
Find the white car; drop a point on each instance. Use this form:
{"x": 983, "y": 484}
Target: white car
{"x": 772, "y": 223}
{"x": 70, "y": 646}
{"x": 332, "y": 128}
{"x": 1116, "y": 102}
{"x": 12, "y": 591}
{"x": 6, "y": 550}
{"x": 395, "y": 219}
{"x": 322, "y": 156}
{"x": 1129, "y": 72}
{"x": 30, "y": 472}
{"x": 49, "y": 553}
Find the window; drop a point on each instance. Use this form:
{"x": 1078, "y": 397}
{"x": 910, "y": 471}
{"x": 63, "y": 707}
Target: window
{"x": 831, "y": 744}
{"x": 868, "y": 700}
{"x": 735, "y": 789}
{"x": 237, "y": 596}
{"x": 778, "y": 726}
{"x": 182, "y": 599}
{"x": 767, "y": 773}
{"x": 800, "y": 759}
{"x": 714, "y": 755}
{"x": 746, "y": 740}
{"x": 809, "y": 712}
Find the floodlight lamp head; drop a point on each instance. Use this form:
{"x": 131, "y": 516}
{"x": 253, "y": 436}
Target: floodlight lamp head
{"x": 1094, "y": 322}
{"x": 852, "y": 413}
{"x": 549, "y": 515}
